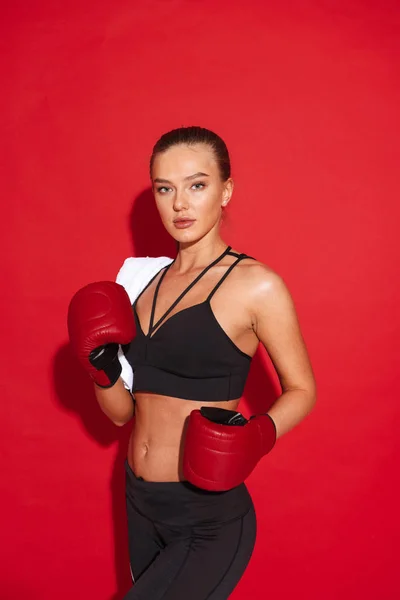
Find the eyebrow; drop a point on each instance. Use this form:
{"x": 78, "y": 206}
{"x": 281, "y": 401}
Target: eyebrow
{"x": 188, "y": 178}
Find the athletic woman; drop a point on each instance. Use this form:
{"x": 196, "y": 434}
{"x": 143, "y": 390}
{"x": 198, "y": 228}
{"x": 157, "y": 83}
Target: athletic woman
{"x": 190, "y": 337}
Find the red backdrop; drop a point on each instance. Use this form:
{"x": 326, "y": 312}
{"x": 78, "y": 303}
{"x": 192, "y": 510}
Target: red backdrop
{"x": 306, "y": 95}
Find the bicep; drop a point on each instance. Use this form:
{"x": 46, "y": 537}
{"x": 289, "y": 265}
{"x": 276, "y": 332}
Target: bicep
{"x": 276, "y": 325}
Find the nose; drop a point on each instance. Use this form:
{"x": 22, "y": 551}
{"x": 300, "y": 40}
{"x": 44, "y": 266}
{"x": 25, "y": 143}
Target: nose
{"x": 180, "y": 201}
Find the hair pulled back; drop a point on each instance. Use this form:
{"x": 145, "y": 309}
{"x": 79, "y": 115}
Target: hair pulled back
{"x": 195, "y": 135}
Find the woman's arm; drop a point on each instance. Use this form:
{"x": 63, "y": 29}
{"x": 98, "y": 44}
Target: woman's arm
{"x": 276, "y": 325}
{"x": 116, "y": 402}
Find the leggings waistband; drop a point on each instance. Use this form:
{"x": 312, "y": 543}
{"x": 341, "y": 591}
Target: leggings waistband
{"x": 181, "y": 503}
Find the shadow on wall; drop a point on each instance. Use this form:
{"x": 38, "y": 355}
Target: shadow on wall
{"x": 149, "y": 236}
{"x": 75, "y": 390}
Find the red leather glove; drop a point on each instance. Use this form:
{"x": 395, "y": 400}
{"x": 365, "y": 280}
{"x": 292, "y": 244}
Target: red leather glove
{"x": 100, "y": 318}
{"x": 218, "y": 457}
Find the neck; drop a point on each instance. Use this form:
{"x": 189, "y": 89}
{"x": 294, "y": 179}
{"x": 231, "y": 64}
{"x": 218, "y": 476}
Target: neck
{"x": 198, "y": 255}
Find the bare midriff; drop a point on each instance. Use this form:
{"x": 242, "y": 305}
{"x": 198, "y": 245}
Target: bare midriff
{"x": 155, "y": 450}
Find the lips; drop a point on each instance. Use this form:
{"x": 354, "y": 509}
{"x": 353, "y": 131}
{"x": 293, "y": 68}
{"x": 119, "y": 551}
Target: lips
{"x": 183, "y": 223}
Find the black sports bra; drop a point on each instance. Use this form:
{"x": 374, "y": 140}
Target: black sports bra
{"x": 189, "y": 356}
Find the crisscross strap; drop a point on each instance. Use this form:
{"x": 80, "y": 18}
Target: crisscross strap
{"x": 152, "y": 326}
{"x": 225, "y": 275}
{"x": 148, "y": 285}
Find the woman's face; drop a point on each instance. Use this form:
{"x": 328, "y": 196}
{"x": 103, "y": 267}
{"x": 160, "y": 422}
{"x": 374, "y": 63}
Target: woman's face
{"x": 189, "y": 192}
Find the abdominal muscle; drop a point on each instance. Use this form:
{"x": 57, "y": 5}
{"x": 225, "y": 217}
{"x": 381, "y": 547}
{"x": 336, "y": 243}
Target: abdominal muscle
{"x": 155, "y": 450}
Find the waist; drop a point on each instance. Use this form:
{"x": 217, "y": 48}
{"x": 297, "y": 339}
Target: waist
{"x": 157, "y": 437}
{"x": 208, "y": 389}
{"x": 179, "y": 503}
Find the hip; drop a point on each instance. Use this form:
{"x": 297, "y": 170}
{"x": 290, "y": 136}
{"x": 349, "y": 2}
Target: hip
{"x": 179, "y": 503}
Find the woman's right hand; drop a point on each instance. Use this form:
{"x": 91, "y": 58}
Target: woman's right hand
{"x": 100, "y": 318}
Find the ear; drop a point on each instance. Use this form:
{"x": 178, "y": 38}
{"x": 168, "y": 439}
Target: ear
{"x": 228, "y": 190}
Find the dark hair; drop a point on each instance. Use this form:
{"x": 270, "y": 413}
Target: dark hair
{"x": 195, "y": 135}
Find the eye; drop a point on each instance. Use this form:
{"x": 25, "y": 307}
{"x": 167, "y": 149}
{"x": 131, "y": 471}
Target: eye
{"x": 198, "y": 186}
{"x": 163, "y": 189}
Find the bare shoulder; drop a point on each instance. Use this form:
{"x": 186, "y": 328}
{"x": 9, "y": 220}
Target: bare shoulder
{"x": 261, "y": 283}
{"x": 276, "y": 325}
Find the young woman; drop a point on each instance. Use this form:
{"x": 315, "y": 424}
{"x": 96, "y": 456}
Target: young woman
{"x": 197, "y": 324}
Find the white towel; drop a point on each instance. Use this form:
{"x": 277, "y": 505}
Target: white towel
{"x": 134, "y": 275}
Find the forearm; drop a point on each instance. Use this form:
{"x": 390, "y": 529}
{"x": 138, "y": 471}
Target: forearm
{"x": 116, "y": 402}
{"x": 291, "y": 408}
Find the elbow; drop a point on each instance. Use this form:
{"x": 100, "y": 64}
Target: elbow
{"x": 312, "y": 404}
{"x": 118, "y": 420}
{"x": 120, "y": 423}
{"x": 309, "y": 398}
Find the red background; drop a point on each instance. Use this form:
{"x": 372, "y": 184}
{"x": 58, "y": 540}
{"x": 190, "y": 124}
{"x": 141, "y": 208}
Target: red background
{"x": 306, "y": 95}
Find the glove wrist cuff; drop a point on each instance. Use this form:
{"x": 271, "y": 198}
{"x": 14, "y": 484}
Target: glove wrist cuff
{"x": 105, "y": 360}
{"x": 267, "y": 431}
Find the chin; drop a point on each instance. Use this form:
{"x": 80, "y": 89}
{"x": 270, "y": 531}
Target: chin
{"x": 186, "y": 236}
{"x": 187, "y": 239}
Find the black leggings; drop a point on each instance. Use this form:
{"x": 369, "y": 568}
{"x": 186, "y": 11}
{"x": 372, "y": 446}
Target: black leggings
{"x": 186, "y": 543}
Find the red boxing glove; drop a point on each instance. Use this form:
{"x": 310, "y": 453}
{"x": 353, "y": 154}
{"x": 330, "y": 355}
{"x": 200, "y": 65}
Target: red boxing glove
{"x": 218, "y": 457}
{"x": 100, "y": 318}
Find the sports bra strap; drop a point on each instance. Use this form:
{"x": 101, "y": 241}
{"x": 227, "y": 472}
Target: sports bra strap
{"x": 152, "y": 326}
{"x": 225, "y": 275}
